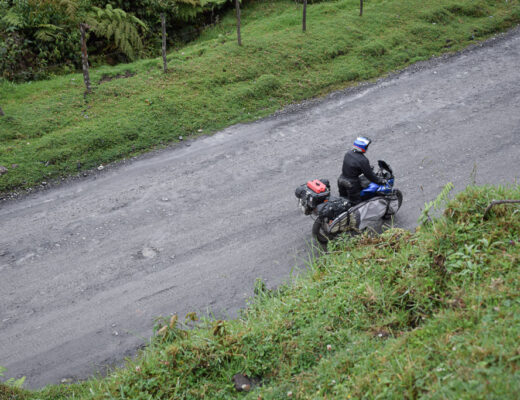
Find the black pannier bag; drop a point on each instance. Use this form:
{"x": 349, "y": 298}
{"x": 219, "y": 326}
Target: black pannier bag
{"x": 313, "y": 193}
{"x": 333, "y": 207}
{"x": 393, "y": 205}
{"x": 300, "y": 192}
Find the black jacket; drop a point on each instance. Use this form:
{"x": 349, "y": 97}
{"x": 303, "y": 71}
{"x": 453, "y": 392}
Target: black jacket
{"x": 355, "y": 164}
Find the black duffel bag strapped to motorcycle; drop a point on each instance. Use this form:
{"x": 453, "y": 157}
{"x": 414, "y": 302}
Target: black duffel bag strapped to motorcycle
{"x": 333, "y": 207}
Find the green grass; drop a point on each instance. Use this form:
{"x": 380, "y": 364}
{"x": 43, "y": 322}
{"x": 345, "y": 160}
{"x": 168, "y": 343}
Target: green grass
{"x": 51, "y": 131}
{"x": 433, "y": 314}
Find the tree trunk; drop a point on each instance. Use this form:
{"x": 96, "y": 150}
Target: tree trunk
{"x": 304, "y": 15}
{"x": 163, "y": 25}
{"x": 1, "y": 112}
{"x": 360, "y": 8}
{"x": 84, "y": 56}
{"x": 237, "y": 6}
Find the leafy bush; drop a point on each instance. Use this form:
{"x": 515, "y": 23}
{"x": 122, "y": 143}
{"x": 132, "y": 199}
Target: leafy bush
{"x": 17, "y": 61}
{"x": 36, "y": 40}
{"x": 10, "y": 389}
{"x": 40, "y": 38}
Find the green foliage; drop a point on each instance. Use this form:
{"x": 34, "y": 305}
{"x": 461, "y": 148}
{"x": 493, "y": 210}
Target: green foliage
{"x": 46, "y": 37}
{"x": 35, "y": 36}
{"x": 16, "y": 383}
{"x": 47, "y": 32}
{"x": 115, "y": 24}
{"x": 436, "y": 204}
{"x": 12, "y": 19}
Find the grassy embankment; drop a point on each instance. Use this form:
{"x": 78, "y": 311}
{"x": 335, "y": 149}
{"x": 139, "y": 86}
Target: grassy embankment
{"x": 50, "y": 131}
{"x": 432, "y": 314}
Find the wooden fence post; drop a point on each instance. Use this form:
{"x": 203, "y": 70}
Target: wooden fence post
{"x": 84, "y": 56}
{"x": 304, "y": 23}
{"x": 163, "y": 26}
{"x": 237, "y": 6}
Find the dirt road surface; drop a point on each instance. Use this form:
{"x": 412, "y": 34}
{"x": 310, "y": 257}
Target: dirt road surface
{"x": 86, "y": 267}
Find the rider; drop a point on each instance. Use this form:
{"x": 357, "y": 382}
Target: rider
{"x": 354, "y": 164}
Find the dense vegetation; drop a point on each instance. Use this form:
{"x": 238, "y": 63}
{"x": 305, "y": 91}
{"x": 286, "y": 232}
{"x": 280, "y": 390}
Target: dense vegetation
{"x": 433, "y": 314}
{"x": 51, "y": 130}
{"x": 38, "y": 38}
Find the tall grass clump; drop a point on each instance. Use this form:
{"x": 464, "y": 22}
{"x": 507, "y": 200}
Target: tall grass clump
{"x": 433, "y": 314}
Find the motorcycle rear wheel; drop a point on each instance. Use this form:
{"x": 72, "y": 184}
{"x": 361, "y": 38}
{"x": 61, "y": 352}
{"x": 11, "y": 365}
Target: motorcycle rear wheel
{"x": 319, "y": 233}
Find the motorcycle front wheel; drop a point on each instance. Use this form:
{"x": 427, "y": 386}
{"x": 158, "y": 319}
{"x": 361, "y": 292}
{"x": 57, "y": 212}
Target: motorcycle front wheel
{"x": 399, "y": 195}
{"x": 319, "y": 233}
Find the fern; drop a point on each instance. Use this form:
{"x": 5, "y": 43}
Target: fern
{"x": 13, "y": 19}
{"x": 69, "y": 6}
{"x": 436, "y": 204}
{"x": 137, "y": 21}
{"x": 108, "y": 12}
{"x": 117, "y": 25}
{"x": 188, "y": 12}
{"x": 209, "y": 3}
{"x": 193, "y": 3}
{"x": 47, "y": 32}
{"x": 18, "y": 383}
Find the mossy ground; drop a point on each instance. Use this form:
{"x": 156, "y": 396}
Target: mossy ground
{"x": 430, "y": 314}
{"x": 50, "y": 130}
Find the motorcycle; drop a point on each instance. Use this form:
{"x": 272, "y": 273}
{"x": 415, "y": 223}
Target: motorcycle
{"x": 336, "y": 215}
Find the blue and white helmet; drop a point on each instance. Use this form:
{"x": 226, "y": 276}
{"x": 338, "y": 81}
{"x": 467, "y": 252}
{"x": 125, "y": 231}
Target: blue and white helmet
{"x": 361, "y": 144}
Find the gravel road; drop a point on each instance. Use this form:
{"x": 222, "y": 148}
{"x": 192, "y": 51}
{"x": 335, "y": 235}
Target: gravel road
{"x": 87, "y": 266}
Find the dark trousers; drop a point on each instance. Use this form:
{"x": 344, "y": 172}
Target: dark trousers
{"x": 350, "y": 189}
